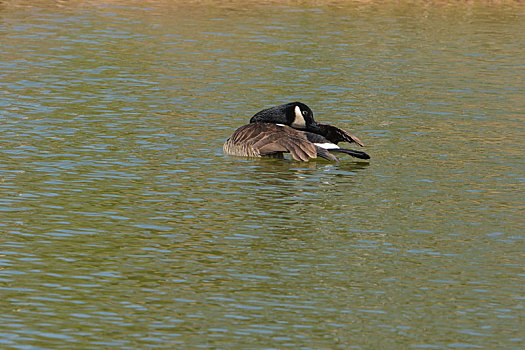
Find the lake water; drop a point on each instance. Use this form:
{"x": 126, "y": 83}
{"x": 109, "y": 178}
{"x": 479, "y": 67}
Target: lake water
{"x": 123, "y": 225}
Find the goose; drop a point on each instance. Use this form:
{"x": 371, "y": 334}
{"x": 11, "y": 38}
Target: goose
{"x": 290, "y": 128}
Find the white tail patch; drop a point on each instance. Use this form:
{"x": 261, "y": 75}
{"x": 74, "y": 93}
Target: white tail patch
{"x": 280, "y": 124}
{"x": 327, "y": 145}
{"x": 299, "y": 121}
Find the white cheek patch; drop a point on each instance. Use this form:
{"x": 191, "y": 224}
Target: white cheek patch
{"x": 299, "y": 121}
{"x": 327, "y": 145}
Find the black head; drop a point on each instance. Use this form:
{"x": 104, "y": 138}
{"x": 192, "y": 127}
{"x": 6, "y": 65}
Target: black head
{"x": 294, "y": 114}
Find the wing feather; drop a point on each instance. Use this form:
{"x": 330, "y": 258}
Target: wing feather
{"x": 259, "y": 139}
{"x": 335, "y": 135}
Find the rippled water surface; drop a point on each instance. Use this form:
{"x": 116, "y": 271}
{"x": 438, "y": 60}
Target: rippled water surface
{"x": 123, "y": 225}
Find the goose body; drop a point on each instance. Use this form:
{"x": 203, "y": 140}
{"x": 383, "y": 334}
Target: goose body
{"x": 290, "y": 128}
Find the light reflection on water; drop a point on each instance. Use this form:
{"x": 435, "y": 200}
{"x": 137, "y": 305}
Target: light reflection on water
{"x": 123, "y": 224}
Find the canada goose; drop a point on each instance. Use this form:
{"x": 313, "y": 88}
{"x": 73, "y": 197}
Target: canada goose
{"x": 289, "y": 128}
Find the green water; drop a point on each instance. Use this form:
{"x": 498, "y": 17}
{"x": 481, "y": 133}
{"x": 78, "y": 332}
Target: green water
{"x": 123, "y": 225}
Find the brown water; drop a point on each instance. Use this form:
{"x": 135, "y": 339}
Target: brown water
{"x": 124, "y": 226}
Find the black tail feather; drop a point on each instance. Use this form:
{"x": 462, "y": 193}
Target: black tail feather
{"x": 353, "y": 153}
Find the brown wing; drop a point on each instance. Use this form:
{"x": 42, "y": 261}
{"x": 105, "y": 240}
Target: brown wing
{"x": 259, "y": 139}
{"x": 335, "y": 135}
{"x": 280, "y": 138}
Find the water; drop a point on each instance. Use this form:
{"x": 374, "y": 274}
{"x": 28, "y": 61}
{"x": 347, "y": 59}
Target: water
{"x": 125, "y": 226}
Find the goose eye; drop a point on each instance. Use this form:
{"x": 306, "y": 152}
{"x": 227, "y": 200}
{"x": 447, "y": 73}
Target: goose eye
{"x": 305, "y": 113}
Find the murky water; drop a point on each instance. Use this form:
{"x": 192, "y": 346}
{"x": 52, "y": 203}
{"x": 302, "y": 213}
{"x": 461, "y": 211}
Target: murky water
{"x": 124, "y": 226}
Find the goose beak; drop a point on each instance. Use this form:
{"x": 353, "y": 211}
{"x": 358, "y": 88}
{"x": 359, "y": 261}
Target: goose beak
{"x": 314, "y": 127}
